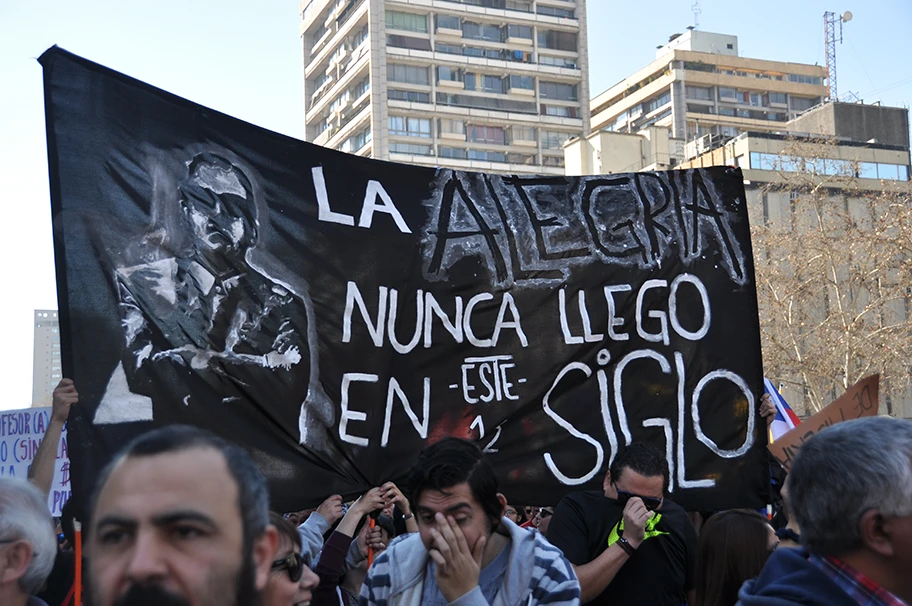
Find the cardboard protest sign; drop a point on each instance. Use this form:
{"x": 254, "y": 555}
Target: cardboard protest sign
{"x": 861, "y": 400}
{"x": 21, "y": 432}
{"x": 334, "y": 314}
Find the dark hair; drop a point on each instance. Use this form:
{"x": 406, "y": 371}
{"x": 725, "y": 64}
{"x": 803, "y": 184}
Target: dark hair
{"x": 452, "y": 461}
{"x": 285, "y": 529}
{"x": 642, "y": 458}
{"x": 253, "y": 492}
{"x": 733, "y": 548}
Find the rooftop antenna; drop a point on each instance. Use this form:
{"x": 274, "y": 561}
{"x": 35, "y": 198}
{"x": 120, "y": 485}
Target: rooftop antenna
{"x": 695, "y": 7}
{"x": 830, "y": 21}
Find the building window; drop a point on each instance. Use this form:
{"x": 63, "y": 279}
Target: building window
{"x": 491, "y": 103}
{"x": 553, "y": 161}
{"x": 564, "y": 41}
{"x": 361, "y": 87}
{"x": 523, "y": 6}
{"x": 802, "y": 103}
{"x": 556, "y": 12}
{"x": 410, "y": 74}
{"x": 523, "y": 133}
{"x": 485, "y": 83}
{"x": 450, "y": 49}
{"x": 553, "y": 139}
{"x": 455, "y": 153}
{"x": 701, "y": 93}
{"x": 522, "y": 82}
{"x": 802, "y": 79}
{"x": 410, "y": 127}
{"x": 556, "y": 61}
{"x": 451, "y": 127}
{"x": 727, "y": 94}
{"x": 406, "y": 21}
{"x": 700, "y": 109}
{"x": 727, "y": 111}
{"x": 360, "y": 37}
{"x": 556, "y": 90}
{"x": 519, "y": 31}
{"x": 408, "y": 95}
{"x": 514, "y": 158}
{"x": 410, "y": 148}
{"x": 487, "y": 156}
{"x": 357, "y": 141}
{"x": 448, "y": 22}
{"x": 408, "y": 42}
{"x": 491, "y": 135}
{"x": 559, "y": 111}
{"x": 482, "y": 31}
{"x": 777, "y": 99}
{"x": 656, "y": 102}
{"x": 450, "y": 74}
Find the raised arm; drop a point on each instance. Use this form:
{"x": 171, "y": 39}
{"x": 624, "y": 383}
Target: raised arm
{"x": 41, "y": 473}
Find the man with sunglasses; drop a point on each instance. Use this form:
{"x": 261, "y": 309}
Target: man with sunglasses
{"x": 628, "y": 543}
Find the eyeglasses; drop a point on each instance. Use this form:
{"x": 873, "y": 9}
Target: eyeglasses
{"x": 545, "y": 513}
{"x": 293, "y": 564}
{"x": 510, "y": 512}
{"x": 651, "y": 503}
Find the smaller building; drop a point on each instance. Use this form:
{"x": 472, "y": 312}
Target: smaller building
{"x": 46, "y": 370}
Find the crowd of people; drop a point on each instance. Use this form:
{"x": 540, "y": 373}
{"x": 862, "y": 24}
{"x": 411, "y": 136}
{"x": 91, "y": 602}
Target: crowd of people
{"x": 181, "y": 517}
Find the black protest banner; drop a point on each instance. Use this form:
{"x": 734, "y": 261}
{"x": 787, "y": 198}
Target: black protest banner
{"x": 333, "y": 314}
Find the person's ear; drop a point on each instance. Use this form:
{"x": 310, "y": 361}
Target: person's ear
{"x": 606, "y": 483}
{"x": 503, "y": 504}
{"x": 876, "y": 532}
{"x": 264, "y": 551}
{"x": 15, "y": 561}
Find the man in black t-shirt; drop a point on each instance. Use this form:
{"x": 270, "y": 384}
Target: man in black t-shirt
{"x": 628, "y": 544}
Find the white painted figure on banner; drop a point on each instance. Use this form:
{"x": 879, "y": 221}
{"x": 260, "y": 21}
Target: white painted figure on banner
{"x": 206, "y": 313}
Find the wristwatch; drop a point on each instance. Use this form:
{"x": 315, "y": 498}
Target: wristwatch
{"x": 626, "y": 546}
{"x": 408, "y": 516}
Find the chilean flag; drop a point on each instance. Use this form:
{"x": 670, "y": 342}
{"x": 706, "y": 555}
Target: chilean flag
{"x": 786, "y": 418}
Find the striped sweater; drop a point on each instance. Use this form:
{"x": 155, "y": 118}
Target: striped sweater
{"x": 537, "y": 573}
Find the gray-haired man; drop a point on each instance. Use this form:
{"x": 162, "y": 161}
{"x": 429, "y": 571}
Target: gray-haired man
{"x": 27, "y": 543}
{"x": 850, "y": 490}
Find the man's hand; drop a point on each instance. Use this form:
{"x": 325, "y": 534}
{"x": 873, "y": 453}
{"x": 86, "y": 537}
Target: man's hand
{"x": 372, "y": 500}
{"x": 635, "y": 517}
{"x": 767, "y": 409}
{"x": 331, "y": 509}
{"x": 394, "y": 497}
{"x": 374, "y": 540}
{"x": 458, "y": 564}
{"x": 65, "y": 395}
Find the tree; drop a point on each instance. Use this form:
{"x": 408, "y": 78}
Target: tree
{"x": 834, "y": 279}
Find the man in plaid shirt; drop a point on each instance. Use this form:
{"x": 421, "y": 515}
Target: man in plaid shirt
{"x": 850, "y": 489}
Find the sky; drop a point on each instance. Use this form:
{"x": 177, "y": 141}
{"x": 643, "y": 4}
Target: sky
{"x": 244, "y": 58}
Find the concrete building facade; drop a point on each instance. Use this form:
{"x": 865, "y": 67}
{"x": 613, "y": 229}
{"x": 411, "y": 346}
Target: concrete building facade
{"x": 700, "y": 91}
{"x": 46, "y": 372}
{"x": 487, "y": 85}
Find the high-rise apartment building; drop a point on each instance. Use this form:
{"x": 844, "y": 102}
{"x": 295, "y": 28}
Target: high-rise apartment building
{"x": 487, "y": 85}
{"x": 46, "y": 371}
{"x": 697, "y": 92}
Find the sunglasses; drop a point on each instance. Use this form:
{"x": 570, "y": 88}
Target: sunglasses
{"x": 651, "y": 503}
{"x": 544, "y": 514}
{"x": 293, "y": 563}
